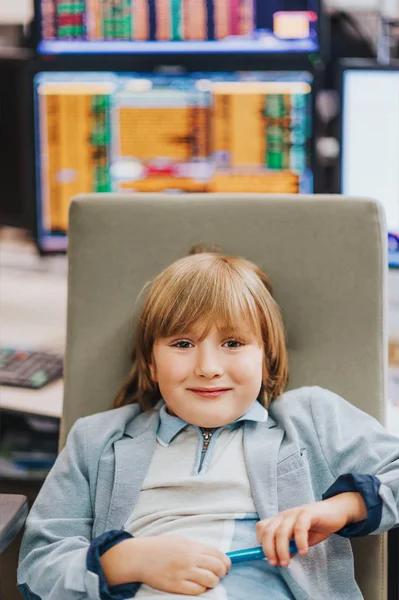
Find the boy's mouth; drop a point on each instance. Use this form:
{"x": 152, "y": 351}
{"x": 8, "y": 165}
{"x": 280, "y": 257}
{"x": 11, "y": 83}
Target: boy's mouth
{"x": 209, "y": 392}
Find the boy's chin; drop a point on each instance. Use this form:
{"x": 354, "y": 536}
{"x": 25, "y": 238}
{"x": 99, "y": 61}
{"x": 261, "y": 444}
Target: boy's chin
{"x": 211, "y": 421}
{"x": 209, "y": 414}
{"x": 211, "y": 424}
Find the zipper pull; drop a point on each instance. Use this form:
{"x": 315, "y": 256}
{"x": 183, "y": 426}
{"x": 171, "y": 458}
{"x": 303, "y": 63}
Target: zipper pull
{"x": 207, "y": 435}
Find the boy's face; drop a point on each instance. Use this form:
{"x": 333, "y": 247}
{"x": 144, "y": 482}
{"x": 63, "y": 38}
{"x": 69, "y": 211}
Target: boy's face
{"x": 187, "y": 370}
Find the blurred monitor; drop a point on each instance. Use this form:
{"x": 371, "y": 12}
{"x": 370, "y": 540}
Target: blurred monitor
{"x": 353, "y": 5}
{"x": 203, "y": 132}
{"x": 370, "y": 139}
{"x": 370, "y": 136}
{"x": 178, "y": 26}
{"x": 388, "y": 8}
{"x": 15, "y": 140}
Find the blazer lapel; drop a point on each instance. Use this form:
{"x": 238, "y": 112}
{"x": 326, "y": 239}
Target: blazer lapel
{"x": 132, "y": 460}
{"x": 133, "y": 455}
{"x": 262, "y": 443}
{"x": 261, "y": 447}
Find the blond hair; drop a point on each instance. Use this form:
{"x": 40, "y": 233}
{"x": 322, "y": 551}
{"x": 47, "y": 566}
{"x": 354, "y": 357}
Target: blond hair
{"x": 196, "y": 292}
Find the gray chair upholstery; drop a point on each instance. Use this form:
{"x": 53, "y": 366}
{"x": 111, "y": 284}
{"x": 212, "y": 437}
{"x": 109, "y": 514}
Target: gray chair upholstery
{"x": 13, "y": 513}
{"x": 325, "y": 256}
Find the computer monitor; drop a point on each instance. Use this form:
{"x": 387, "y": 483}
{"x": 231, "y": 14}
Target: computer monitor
{"x": 15, "y": 140}
{"x": 370, "y": 138}
{"x": 131, "y": 132}
{"x": 178, "y": 26}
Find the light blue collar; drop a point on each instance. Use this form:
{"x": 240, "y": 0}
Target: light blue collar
{"x": 170, "y": 426}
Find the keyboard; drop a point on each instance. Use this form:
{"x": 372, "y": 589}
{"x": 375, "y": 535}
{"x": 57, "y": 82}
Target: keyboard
{"x": 29, "y": 369}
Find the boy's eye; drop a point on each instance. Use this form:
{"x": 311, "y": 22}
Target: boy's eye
{"x": 234, "y": 343}
{"x": 182, "y": 344}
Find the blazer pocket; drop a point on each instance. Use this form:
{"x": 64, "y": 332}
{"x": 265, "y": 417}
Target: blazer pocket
{"x": 292, "y": 463}
{"x": 294, "y": 483}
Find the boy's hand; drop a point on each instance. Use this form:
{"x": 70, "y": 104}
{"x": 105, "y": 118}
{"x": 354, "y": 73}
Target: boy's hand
{"x": 309, "y": 525}
{"x": 180, "y": 566}
{"x": 168, "y": 563}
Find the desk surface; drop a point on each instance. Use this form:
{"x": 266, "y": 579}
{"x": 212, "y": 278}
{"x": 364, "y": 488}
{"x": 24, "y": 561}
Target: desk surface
{"x": 33, "y": 298}
{"x": 46, "y": 402}
{"x": 33, "y": 303}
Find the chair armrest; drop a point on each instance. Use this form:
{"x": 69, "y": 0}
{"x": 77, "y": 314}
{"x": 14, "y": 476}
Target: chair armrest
{"x": 13, "y": 513}
{"x": 393, "y": 562}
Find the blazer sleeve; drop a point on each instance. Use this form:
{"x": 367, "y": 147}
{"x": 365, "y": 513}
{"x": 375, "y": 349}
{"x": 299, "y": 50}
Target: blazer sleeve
{"x": 54, "y": 554}
{"x": 354, "y": 442}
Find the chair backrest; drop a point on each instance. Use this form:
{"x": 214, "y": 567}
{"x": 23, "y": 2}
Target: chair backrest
{"x": 325, "y": 256}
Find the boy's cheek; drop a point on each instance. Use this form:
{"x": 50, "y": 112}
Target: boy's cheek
{"x": 249, "y": 372}
{"x": 170, "y": 374}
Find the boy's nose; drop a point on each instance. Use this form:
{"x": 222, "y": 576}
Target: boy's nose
{"x": 208, "y": 366}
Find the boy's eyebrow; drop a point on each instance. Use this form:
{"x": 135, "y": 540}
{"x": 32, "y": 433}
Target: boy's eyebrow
{"x": 244, "y": 332}
{"x": 241, "y": 332}
{"x": 223, "y": 333}
{"x": 178, "y": 335}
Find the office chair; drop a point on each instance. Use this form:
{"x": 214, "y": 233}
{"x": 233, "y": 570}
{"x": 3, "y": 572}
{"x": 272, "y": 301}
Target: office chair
{"x": 326, "y": 259}
{"x": 13, "y": 513}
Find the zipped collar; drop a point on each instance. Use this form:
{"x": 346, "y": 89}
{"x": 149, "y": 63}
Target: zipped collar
{"x": 170, "y": 426}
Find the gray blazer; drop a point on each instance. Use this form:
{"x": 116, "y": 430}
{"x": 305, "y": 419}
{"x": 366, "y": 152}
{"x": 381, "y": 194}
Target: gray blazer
{"x": 310, "y": 438}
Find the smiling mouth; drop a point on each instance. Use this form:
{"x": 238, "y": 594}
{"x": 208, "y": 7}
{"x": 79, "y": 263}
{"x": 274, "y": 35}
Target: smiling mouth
{"x": 210, "y": 393}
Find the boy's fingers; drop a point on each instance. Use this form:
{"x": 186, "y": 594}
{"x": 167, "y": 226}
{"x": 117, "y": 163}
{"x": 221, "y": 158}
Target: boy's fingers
{"x": 220, "y": 556}
{"x": 283, "y": 536}
{"x": 268, "y": 539}
{"x": 301, "y": 532}
{"x": 211, "y": 563}
{"x": 205, "y": 578}
{"x": 226, "y": 561}
{"x": 260, "y": 527}
{"x": 191, "y": 588}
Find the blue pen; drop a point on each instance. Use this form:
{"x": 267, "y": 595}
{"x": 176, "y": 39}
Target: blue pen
{"x": 255, "y": 553}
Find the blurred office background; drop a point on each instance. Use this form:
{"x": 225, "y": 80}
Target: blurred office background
{"x": 290, "y": 96}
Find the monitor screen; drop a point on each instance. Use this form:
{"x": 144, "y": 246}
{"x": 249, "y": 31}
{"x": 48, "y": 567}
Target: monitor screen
{"x": 370, "y": 138}
{"x": 173, "y": 26}
{"x": 203, "y": 132}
